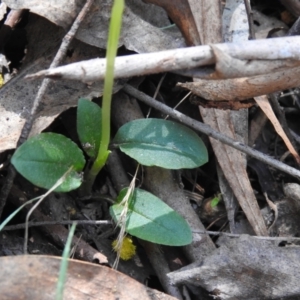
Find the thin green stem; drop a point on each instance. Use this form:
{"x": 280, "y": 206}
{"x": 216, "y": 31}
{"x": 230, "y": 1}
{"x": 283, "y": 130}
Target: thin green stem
{"x": 64, "y": 265}
{"x": 112, "y": 47}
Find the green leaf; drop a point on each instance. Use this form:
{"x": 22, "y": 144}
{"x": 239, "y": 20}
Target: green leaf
{"x": 89, "y": 126}
{"x": 162, "y": 143}
{"x": 150, "y": 219}
{"x": 215, "y": 201}
{"x": 45, "y": 158}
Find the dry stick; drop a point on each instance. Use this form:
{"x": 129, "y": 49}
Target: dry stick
{"x": 177, "y": 59}
{"x": 49, "y": 223}
{"x": 198, "y": 126}
{"x": 157, "y": 91}
{"x": 29, "y": 122}
{"x": 32, "y": 209}
{"x": 258, "y": 237}
{"x": 250, "y": 20}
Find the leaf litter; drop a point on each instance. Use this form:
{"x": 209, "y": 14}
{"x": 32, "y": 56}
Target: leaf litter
{"x": 244, "y": 268}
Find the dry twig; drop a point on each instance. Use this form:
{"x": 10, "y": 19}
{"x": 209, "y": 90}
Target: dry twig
{"x": 286, "y": 48}
{"x": 198, "y": 126}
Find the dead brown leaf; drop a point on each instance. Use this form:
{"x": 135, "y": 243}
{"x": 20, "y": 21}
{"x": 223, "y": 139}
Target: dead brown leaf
{"x": 35, "y": 277}
{"x": 265, "y": 106}
{"x": 60, "y": 12}
{"x": 137, "y": 35}
{"x": 180, "y": 13}
{"x": 247, "y": 268}
{"x": 244, "y": 88}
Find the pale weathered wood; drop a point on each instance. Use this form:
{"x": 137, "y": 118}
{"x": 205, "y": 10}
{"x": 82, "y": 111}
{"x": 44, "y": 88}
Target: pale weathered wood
{"x": 184, "y": 58}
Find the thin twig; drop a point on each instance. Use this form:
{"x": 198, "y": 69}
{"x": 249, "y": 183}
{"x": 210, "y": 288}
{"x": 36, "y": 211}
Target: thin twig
{"x": 198, "y": 126}
{"x": 236, "y": 235}
{"x": 29, "y": 122}
{"x": 189, "y": 93}
{"x": 57, "y": 184}
{"x": 49, "y": 223}
{"x": 250, "y": 20}
{"x": 156, "y": 92}
{"x": 58, "y": 233}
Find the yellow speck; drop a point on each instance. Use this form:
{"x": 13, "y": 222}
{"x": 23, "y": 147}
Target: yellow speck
{"x": 72, "y": 211}
{"x": 127, "y": 249}
{"x": 1, "y": 80}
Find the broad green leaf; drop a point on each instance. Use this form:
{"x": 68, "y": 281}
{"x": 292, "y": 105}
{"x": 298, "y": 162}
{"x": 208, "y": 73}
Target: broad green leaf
{"x": 89, "y": 126}
{"x": 150, "y": 219}
{"x": 45, "y": 158}
{"x": 162, "y": 143}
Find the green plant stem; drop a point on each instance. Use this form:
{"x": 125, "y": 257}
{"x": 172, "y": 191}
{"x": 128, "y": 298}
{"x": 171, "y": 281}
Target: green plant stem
{"x": 112, "y": 47}
{"x": 64, "y": 265}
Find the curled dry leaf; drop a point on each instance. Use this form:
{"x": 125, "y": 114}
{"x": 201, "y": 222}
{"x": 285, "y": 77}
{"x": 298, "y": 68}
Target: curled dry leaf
{"x": 244, "y": 88}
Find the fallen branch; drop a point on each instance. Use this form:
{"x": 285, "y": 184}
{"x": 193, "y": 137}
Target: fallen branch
{"x": 276, "y": 49}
